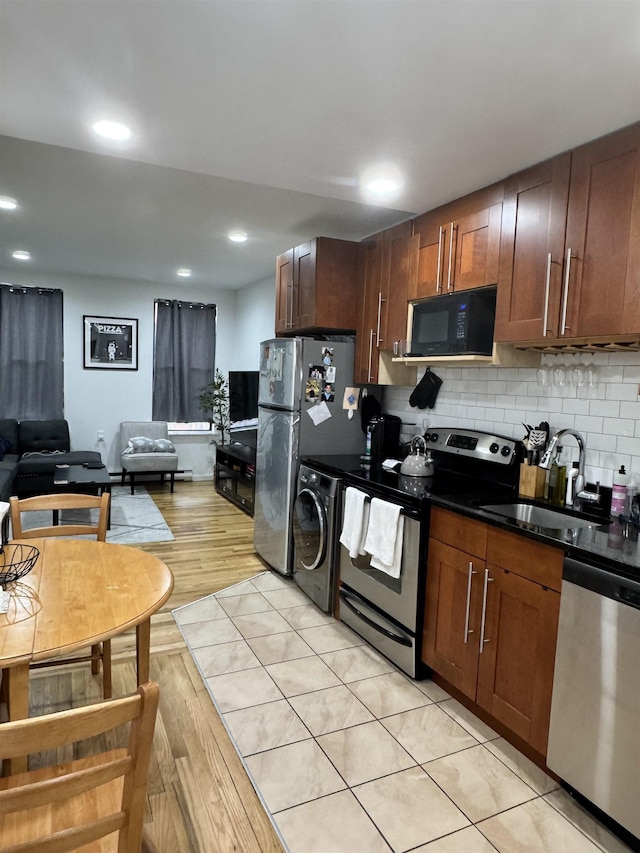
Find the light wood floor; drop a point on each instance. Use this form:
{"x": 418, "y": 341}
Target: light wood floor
{"x": 200, "y": 799}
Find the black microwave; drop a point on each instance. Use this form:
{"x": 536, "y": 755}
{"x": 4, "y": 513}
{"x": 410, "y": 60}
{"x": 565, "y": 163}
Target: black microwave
{"x": 455, "y": 324}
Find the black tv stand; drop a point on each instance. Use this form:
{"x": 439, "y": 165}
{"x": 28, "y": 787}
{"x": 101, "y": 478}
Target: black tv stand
{"x": 235, "y": 474}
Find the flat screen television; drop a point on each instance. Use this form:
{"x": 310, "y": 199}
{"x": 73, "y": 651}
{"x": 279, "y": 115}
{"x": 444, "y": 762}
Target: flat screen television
{"x": 243, "y": 395}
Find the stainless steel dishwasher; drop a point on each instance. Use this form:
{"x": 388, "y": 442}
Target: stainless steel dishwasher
{"x": 594, "y": 733}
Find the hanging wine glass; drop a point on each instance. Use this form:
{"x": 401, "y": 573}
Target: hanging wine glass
{"x": 577, "y": 371}
{"x": 558, "y": 372}
{"x": 542, "y": 373}
{"x": 588, "y": 369}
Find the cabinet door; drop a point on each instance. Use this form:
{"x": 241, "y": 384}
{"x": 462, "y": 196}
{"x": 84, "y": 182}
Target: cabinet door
{"x": 429, "y": 276}
{"x": 474, "y": 249}
{"x": 602, "y": 256}
{"x": 402, "y": 271}
{"x": 366, "y": 366}
{"x": 516, "y": 661}
{"x": 452, "y": 615}
{"x": 284, "y": 292}
{"x": 304, "y": 285}
{"x": 532, "y": 250}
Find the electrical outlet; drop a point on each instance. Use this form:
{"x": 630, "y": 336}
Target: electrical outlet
{"x": 100, "y": 435}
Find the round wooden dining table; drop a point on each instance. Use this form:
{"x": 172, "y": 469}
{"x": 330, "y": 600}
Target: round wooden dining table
{"x": 79, "y": 593}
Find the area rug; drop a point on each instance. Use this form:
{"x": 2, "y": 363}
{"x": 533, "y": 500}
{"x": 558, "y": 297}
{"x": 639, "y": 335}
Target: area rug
{"x": 134, "y": 518}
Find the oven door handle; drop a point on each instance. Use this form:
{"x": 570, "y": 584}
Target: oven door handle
{"x": 409, "y": 513}
{"x": 403, "y": 641}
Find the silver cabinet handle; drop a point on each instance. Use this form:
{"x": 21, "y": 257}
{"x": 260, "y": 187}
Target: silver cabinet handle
{"x": 371, "y": 335}
{"x": 466, "y": 616}
{"x": 380, "y": 301}
{"x": 546, "y": 298}
{"x": 487, "y": 581}
{"x": 565, "y": 293}
{"x": 289, "y": 322}
{"x": 439, "y": 270}
{"x": 449, "y": 279}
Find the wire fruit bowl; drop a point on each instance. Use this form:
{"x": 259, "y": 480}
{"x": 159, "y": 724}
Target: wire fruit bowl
{"x": 16, "y": 561}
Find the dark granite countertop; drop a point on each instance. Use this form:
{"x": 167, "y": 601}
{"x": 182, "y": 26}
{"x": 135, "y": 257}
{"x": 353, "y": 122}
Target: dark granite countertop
{"x": 602, "y": 543}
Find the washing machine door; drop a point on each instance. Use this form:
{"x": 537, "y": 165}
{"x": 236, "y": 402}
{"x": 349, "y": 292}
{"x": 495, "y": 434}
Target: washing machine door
{"x": 309, "y": 531}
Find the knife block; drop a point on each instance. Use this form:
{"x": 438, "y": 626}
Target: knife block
{"x": 532, "y": 481}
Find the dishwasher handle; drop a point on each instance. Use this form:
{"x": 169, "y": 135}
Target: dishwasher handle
{"x": 602, "y": 582}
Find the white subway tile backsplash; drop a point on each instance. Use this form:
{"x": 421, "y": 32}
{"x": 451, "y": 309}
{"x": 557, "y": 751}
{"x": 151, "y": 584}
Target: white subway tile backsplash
{"x": 630, "y": 410}
{"x": 621, "y": 391}
{"x": 500, "y": 398}
{"x": 618, "y": 426}
{"x": 576, "y": 407}
{"x": 606, "y": 408}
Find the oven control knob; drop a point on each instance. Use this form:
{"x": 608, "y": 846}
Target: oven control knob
{"x": 494, "y": 447}
{"x": 506, "y": 450}
{"x": 433, "y": 436}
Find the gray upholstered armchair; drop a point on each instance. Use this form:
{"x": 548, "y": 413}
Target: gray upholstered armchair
{"x": 145, "y": 448}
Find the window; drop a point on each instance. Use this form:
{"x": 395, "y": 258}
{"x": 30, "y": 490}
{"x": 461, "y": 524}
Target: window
{"x": 31, "y": 353}
{"x": 184, "y": 359}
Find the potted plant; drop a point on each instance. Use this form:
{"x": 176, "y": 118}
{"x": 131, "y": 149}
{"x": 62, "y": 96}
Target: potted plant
{"x": 214, "y": 402}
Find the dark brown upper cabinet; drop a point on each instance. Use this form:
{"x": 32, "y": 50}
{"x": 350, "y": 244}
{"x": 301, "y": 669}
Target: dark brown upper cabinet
{"x": 317, "y": 287}
{"x": 459, "y": 244}
{"x": 570, "y": 253}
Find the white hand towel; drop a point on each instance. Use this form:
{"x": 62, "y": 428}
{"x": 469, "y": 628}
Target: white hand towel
{"x": 385, "y": 533}
{"x": 354, "y": 526}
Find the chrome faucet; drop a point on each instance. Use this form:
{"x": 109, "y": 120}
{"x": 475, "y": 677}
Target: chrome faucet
{"x": 547, "y": 457}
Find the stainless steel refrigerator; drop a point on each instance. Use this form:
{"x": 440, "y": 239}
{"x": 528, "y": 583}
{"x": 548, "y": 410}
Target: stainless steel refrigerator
{"x": 303, "y": 410}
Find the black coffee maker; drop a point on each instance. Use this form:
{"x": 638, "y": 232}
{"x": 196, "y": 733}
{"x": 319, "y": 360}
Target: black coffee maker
{"x": 385, "y": 436}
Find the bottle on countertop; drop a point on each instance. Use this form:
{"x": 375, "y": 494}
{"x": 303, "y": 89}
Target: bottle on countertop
{"x": 572, "y": 475}
{"x": 619, "y": 492}
{"x": 367, "y": 448}
{"x": 557, "y": 480}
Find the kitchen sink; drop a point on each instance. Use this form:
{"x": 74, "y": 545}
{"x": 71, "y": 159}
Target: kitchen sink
{"x": 539, "y": 516}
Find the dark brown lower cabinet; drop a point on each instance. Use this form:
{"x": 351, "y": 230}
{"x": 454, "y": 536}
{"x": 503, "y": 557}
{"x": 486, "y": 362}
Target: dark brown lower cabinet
{"x": 491, "y": 621}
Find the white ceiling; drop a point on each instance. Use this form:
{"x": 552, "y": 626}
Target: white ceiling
{"x": 262, "y": 115}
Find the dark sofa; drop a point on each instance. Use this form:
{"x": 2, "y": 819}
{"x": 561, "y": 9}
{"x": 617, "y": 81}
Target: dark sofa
{"x": 35, "y": 448}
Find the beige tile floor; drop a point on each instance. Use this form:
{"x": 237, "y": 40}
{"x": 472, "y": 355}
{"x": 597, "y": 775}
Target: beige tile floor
{"x": 350, "y": 756}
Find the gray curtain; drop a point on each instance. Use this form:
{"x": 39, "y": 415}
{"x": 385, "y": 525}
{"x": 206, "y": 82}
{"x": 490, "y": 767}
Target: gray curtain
{"x": 184, "y": 358}
{"x": 31, "y": 353}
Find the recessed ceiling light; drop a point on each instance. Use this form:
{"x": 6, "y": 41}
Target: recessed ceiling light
{"x": 381, "y": 182}
{"x": 7, "y": 203}
{"x": 21, "y": 255}
{"x": 184, "y": 272}
{"x": 114, "y": 130}
{"x": 238, "y": 236}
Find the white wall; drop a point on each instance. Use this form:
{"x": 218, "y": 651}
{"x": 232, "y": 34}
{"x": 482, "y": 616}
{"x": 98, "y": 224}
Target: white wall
{"x": 499, "y": 399}
{"x": 100, "y": 399}
{"x": 255, "y": 321}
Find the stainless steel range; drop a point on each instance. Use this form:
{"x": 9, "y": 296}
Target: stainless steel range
{"x": 388, "y": 611}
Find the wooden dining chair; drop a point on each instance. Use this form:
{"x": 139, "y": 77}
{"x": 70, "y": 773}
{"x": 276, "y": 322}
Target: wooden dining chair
{"x": 66, "y": 806}
{"x": 56, "y": 504}
{"x": 100, "y": 652}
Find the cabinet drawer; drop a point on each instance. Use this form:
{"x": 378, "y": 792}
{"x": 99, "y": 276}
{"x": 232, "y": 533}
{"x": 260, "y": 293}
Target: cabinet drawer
{"x": 525, "y": 557}
{"x": 458, "y": 531}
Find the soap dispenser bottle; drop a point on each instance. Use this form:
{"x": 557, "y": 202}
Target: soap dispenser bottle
{"x": 619, "y": 492}
{"x": 572, "y": 475}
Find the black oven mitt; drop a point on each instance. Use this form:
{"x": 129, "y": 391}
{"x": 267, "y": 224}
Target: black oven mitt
{"x": 426, "y": 391}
